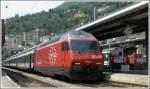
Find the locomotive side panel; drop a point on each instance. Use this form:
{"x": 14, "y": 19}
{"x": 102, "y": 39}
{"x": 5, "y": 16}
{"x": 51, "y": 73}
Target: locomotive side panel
{"x": 49, "y": 60}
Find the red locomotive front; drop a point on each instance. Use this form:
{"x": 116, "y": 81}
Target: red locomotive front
{"x": 75, "y": 54}
{"x": 86, "y": 59}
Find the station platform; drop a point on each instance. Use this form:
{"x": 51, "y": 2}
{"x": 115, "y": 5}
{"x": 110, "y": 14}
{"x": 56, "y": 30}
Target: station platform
{"x": 6, "y": 82}
{"x": 138, "y": 79}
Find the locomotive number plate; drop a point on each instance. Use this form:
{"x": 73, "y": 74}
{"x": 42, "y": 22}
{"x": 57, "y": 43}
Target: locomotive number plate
{"x": 96, "y": 56}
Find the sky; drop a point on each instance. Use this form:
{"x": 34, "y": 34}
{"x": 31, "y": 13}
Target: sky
{"x": 11, "y": 8}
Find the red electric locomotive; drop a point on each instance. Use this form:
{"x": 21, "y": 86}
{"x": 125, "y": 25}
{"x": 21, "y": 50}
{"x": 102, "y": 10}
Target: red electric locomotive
{"x": 75, "y": 54}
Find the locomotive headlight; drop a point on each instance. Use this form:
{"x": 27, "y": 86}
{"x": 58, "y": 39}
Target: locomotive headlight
{"x": 98, "y": 63}
{"x": 77, "y": 63}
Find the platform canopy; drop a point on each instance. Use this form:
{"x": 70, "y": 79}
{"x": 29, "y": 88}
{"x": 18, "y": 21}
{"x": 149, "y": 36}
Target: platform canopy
{"x": 133, "y": 19}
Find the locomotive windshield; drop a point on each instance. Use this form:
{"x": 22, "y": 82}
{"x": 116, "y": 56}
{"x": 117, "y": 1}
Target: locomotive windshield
{"x": 84, "y": 46}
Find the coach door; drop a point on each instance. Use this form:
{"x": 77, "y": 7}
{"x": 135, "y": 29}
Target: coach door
{"x": 65, "y": 52}
{"x": 31, "y": 61}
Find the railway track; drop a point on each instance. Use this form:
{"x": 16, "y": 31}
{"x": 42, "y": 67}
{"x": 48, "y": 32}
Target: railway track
{"x": 26, "y": 81}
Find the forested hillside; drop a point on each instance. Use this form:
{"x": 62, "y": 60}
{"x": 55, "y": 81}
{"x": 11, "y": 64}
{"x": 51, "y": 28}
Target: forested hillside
{"x": 63, "y": 18}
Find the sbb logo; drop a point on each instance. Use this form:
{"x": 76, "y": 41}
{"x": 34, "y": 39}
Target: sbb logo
{"x": 52, "y": 55}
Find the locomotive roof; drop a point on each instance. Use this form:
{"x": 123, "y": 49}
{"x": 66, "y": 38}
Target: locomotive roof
{"x": 77, "y": 35}
{"x": 69, "y": 35}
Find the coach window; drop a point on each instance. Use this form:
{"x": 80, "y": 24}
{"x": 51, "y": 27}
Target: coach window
{"x": 65, "y": 46}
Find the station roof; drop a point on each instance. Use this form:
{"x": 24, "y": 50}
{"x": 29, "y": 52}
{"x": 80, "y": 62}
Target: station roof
{"x": 120, "y": 43}
{"x": 134, "y": 17}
